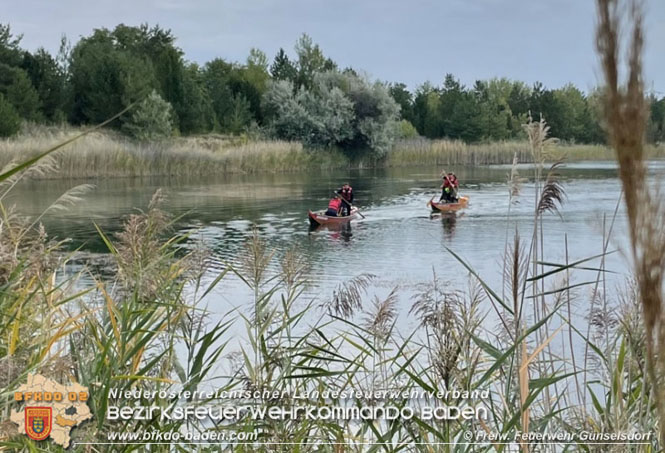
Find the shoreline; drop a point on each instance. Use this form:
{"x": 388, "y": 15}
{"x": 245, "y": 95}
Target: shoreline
{"x": 108, "y": 154}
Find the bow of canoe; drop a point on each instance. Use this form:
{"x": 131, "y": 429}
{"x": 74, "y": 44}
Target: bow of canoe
{"x": 447, "y": 207}
{"x": 319, "y": 218}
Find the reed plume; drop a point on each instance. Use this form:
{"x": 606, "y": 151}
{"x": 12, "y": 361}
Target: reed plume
{"x": 626, "y": 113}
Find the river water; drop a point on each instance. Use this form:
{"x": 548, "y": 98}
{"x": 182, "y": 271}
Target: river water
{"x": 398, "y": 241}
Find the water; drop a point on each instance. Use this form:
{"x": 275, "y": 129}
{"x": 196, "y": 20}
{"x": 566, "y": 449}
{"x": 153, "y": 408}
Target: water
{"x": 398, "y": 241}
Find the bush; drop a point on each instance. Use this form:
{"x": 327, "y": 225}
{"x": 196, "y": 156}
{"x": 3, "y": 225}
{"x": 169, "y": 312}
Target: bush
{"x": 152, "y": 119}
{"x": 10, "y": 121}
{"x": 405, "y": 130}
{"x": 339, "y": 109}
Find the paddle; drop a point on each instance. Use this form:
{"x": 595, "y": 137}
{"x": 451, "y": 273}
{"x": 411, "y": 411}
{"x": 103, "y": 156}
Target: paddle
{"x": 350, "y": 205}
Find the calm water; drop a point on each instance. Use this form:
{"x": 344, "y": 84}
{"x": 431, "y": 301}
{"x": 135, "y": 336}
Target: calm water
{"x": 398, "y": 241}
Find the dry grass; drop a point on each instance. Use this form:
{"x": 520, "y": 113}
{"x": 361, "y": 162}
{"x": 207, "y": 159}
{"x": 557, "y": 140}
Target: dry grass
{"x": 450, "y": 152}
{"x": 111, "y": 154}
{"x": 626, "y": 114}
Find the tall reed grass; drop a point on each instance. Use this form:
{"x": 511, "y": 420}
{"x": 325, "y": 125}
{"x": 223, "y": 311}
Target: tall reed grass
{"x": 110, "y": 154}
{"x": 452, "y": 152}
{"x": 145, "y": 325}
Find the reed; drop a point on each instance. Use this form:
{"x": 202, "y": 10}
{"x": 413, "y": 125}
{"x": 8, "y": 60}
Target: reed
{"x": 451, "y": 152}
{"x": 144, "y": 325}
{"x": 110, "y": 154}
{"x": 626, "y": 114}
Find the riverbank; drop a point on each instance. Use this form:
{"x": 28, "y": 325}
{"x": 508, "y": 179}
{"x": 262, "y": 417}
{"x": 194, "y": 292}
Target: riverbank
{"x": 110, "y": 154}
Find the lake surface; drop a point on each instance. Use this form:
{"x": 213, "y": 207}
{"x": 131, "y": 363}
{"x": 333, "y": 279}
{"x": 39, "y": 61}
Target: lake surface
{"x": 398, "y": 241}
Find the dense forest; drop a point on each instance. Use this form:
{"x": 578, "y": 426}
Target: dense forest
{"x": 305, "y": 96}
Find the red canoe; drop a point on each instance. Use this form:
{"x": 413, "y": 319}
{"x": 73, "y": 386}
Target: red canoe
{"x": 320, "y": 218}
{"x": 448, "y": 207}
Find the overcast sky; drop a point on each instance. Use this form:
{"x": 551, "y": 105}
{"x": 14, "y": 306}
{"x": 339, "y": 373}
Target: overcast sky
{"x": 409, "y": 40}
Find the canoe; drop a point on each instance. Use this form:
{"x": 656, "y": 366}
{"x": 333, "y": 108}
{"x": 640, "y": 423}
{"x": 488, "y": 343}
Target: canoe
{"x": 448, "y": 207}
{"x": 320, "y": 218}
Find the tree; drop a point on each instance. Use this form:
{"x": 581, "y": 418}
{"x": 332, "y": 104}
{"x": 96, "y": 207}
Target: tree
{"x": 17, "y": 89}
{"x": 494, "y": 115}
{"x": 459, "y": 112}
{"x": 10, "y": 50}
{"x": 282, "y": 68}
{"x": 320, "y": 117}
{"x": 656, "y": 126}
{"x": 340, "y": 109}
{"x": 195, "y": 110}
{"x": 152, "y": 119}
{"x": 403, "y": 97}
{"x": 106, "y": 77}
{"x": 10, "y": 121}
{"x": 240, "y": 115}
{"x": 48, "y": 80}
{"x": 310, "y": 61}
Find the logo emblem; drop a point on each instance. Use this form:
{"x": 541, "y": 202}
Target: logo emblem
{"x": 38, "y": 421}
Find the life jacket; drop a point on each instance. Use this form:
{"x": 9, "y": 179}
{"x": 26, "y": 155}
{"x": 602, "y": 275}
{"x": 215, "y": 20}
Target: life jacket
{"x": 347, "y": 193}
{"x": 450, "y": 181}
{"x": 335, "y": 204}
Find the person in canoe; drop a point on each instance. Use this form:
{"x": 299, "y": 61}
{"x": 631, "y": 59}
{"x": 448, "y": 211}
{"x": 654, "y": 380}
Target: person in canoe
{"x": 449, "y": 189}
{"x": 334, "y": 207}
{"x": 346, "y": 192}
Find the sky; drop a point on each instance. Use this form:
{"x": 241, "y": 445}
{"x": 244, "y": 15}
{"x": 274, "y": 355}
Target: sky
{"x": 409, "y": 41}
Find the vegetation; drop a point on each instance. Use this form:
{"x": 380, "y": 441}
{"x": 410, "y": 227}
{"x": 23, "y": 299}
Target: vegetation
{"x": 112, "y": 154}
{"x": 626, "y": 114}
{"x": 143, "y": 324}
{"x": 304, "y": 98}
{"x": 151, "y": 119}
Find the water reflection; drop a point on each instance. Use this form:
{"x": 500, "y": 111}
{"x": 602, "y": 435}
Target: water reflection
{"x": 397, "y": 241}
{"x": 449, "y": 222}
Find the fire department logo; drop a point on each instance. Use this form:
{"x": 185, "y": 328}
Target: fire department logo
{"x": 46, "y": 409}
{"x": 38, "y": 422}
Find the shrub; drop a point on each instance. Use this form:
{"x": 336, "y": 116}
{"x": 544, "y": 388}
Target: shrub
{"x": 405, "y": 130}
{"x": 339, "y": 109}
{"x": 152, "y": 119}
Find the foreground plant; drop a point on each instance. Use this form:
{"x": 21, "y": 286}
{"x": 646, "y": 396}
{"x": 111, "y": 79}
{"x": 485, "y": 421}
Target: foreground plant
{"x": 626, "y": 114}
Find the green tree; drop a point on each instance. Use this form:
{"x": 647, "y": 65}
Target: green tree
{"x": 152, "y": 119}
{"x": 10, "y": 50}
{"x": 17, "y": 89}
{"x": 10, "y": 121}
{"x": 494, "y": 115}
{"x": 310, "y": 61}
{"x": 404, "y": 99}
{"x": 106, "y": 78}
{"x": 426, "y": 118}
{"x": 318, "y": 117}
{"x": 195, "y": 110}
{"x": 656, "y": 126}
{"x": 49, "y": 81}
{"x": 282, "y": 68}
{"x": 459, "y": 111}
{"x": 240, "y": 115}
{"x": 215, "y": 76}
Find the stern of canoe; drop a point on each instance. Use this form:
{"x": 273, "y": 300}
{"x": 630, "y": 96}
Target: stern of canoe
{"x": 448, "y": 207}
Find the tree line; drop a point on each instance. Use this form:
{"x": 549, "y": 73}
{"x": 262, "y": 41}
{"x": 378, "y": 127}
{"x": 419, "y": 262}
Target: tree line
{"x": 304, "y": 97}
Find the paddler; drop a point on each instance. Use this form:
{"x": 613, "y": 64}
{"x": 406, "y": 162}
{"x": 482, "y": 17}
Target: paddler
{"x": 346, "y": 192}
{"x": 334, "y": 207}
{"x": 449, "y": 188}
